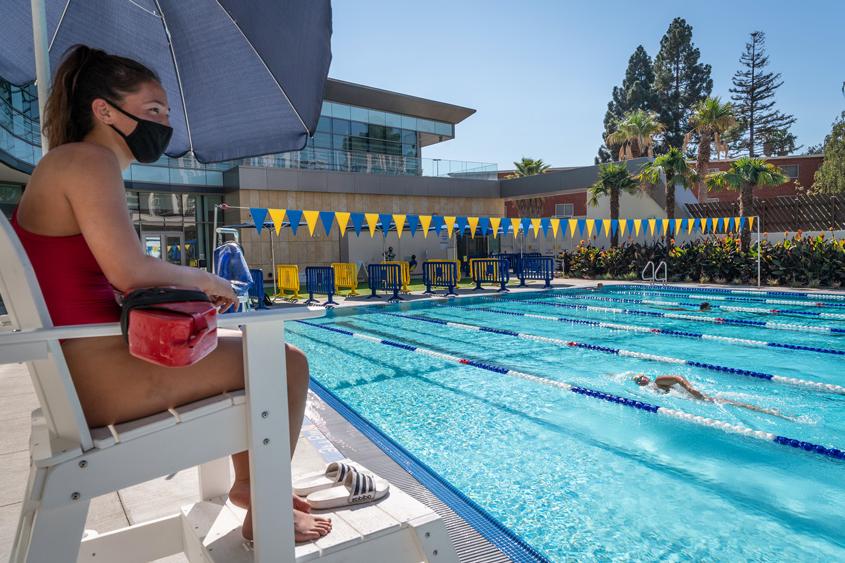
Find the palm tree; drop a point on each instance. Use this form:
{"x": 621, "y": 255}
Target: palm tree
{"x": 635, "y": 133}
{"x": 745, "y": 174}
{"x": 710, "y": 120}
{"x": 531, "y": 206}
{"x": 674, "y": 168}
{"x": 613, "y": 179}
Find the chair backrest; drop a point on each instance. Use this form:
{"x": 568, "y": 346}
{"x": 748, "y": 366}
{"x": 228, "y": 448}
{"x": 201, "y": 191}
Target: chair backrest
{"x": 27, "y": 311}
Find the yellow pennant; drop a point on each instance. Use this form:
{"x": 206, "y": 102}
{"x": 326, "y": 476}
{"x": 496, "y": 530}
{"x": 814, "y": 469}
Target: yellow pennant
{"x": 277, "y": 215}
{"x": 591, "y": 223}
{"x": 555, "y": 226}
{"x": 690, "y": 223}
{"x": 399, "y": 221}
{"x": 677, "y": 226}
{"x": 736, "y": 224}
{"x": 605, "y": 223}
{"x": 751, "y": 223}
{"x": 651, "y": 225}
{"x": 573, "y": 224}
{"x": 726, "y": 222}
{"x": 535, "y": 226}
{"x": 664, "y": 226}
{"x": 623, "y": 223}
{"x": 372, "y": 221}
{"x": 515, "y": 226}
{"x": 494, "y": 224}
{"x": 450, "y": 224}
{"x": 311, "y": 220}
{"x": 637, "y": 224}
{"x": 425, "y": 223}
{"x": 473, "y": 224}
{"x": 342, "y": 218}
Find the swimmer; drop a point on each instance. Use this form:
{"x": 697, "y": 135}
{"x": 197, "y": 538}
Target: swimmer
{"x": 599, "y": 287}
{"x": 705, "y": 307}
{"x": 665, "y": 383}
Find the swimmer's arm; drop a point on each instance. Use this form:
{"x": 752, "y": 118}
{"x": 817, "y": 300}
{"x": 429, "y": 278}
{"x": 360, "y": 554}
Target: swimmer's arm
{"x": 667, "y": 381}
{"x": 763, "y": 410}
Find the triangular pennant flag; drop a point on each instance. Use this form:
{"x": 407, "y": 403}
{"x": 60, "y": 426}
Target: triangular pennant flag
{"x": 624, "y": 224}
{"x": 327, "y": 218}
{"x": 277, "y": 216}
{"x": 664, "y": 226}
{"x": 535, "y": 226}
{"x": 425, "y": 224}
{"x": 637, "y": 224}
{"x": 473, "y": 224}
{"x": 437, "y": 222}
{"x": 741, "y": 223}
{"x": 679, "y": 224}
{"x": 294, "y": 216}
{"x": 413, "y": 224}
{"x": 614, "y": 225}
{"x": 515, "y": 226}
{"x": 591, "y": 223}
{"x": 690, "y": 225}
{"x": 342, "y": 220}
{"x": 736, "y": 224}
{"x": 357, "y": 222}
{"x": 694, "y": 224}
{"x": 372, "y": 222}
{"x": 651, "y": 224}
{"x": 311, "y": 220}
{"x": 751, "y": 223}
{"x": 526, "y": 225}
{"x": 385, "y": 219}
{"x": 461, "y": 223}
{"x": 484, "y": 225}
{"x": 572, "y": 224}
{"x": 450, "y": 223}
{"x": 581, "y": 225}
{"x": 605, "y": 225}
{"x": 259, "y": 214}
{"x": 544, "y": 224}
{"x": 726, "y": 222}
{"x": 399, "y": 221}
{"x": 494, "y": 225}
{"x": 555, "y": 223}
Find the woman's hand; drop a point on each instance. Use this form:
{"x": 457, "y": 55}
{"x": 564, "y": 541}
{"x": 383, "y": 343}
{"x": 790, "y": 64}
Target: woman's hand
{"x": 219, "y": 291}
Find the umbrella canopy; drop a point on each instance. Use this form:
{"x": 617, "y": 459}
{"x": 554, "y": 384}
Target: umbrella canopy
{"x": 242, "y": 78}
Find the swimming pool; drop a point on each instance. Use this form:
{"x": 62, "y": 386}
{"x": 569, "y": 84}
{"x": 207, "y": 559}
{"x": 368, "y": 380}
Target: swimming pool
{"x": 597, "y": 474}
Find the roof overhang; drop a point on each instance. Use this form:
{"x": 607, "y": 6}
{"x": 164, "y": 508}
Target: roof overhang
{"x": 375, "y": 98}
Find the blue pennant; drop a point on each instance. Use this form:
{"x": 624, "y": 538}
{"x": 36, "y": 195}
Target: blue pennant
{"x": 741, "y": 223}
{"x": 526, "y": 225}
{"x": 357, "y": 222}
{"x": 484, "y": 225}
{"x": 461, "y": 223}
{"x": 327, "y": 218}
{"x": 413, "y": 222}
{"x": 614, "y": 225}
{"x": 696, "y": 225}
{"x": 385, "y": 219}
{"x": 545, "y": 224}
{"x": 505, "y": 225}
{"x": 684, "y": 225}
{"x": 581, "y": 224}
{"x": 437, "y": 223}
{"x": 294, "y": 216}
{"x": 629, "y": 226}
{"x": 259, "y": 214}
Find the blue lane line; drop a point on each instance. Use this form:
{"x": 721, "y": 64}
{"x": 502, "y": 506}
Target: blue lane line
{"x": 678, "y": 289}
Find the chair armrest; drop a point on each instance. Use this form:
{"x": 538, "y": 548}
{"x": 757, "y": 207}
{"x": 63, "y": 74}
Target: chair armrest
{"x": 234, "y": 320}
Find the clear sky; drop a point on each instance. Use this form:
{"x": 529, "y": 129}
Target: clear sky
{"x": 540, "y": 72}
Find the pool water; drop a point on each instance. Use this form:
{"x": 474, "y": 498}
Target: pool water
{"x": 586, "y": 479}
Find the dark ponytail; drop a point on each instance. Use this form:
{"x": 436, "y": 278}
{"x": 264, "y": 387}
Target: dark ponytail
{"x": 85, "y": 75}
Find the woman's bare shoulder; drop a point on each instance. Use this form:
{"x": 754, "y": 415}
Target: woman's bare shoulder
{"x": 78, "y": 162}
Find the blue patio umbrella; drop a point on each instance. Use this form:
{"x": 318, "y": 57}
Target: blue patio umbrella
{"x": 243, "y": 78}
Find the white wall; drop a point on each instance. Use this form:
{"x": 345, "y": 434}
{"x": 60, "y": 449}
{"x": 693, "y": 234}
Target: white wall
{"x": 637, "y": 205}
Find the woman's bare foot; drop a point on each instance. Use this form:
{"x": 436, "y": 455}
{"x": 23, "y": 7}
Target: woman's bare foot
{"x": 239, "y": 495}
{"x": 306, "y": 527}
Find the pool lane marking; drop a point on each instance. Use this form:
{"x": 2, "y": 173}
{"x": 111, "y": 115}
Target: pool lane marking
{"x": 662, "y": 331}
{"x": 834, "y": 453}
{"x": 702, "y": 297}
{"x": 736, "y": 308}
{"x": 824, "y": 387}
{"x": 725, "y": 291}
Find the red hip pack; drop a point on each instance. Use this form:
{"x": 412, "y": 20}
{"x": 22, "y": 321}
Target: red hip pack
{"x": 169, "y": 326}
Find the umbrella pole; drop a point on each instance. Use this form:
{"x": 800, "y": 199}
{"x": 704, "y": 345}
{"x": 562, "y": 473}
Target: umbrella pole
{"x": 42, "y": 60}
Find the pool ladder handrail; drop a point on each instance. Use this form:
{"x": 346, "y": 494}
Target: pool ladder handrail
{"x": 655, "y": 270}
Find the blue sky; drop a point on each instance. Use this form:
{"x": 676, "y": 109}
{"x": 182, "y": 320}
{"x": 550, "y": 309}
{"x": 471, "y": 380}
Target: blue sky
{"x": 540, "y": 73}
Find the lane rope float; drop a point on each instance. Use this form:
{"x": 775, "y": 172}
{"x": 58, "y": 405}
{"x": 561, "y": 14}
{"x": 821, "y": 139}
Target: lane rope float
{"x": 732, "y": 299}
{"x": 755, "y": 292}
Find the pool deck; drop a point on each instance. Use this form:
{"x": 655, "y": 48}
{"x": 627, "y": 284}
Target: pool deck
{"x": 324, "y": 434}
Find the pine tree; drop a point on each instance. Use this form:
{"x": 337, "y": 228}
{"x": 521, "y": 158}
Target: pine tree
{"x": 635, "y": 93}
{"x": 761, "y": 128}
{"x": 680, "y": 81}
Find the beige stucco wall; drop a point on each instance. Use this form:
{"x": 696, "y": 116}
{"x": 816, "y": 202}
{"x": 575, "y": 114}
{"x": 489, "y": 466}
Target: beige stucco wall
{"x": 321, "y": 250}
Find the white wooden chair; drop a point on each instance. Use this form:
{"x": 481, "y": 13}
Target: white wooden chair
{"x": 71, "y": 464}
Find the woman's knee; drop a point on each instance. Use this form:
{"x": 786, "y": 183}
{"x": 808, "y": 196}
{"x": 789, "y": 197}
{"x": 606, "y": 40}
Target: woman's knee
{"x": 297, "y": 366}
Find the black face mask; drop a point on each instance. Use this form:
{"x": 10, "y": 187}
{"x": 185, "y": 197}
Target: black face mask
{"x": 149, "y": 139}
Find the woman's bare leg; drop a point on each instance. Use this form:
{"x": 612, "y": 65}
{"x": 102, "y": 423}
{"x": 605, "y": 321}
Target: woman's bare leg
{"x": 114, "y": 387}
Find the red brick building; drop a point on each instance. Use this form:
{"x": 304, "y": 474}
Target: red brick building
{"x": 799, "y": 169}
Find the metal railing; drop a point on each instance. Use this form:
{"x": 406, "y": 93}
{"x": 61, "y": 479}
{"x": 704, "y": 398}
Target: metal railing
{"x": 655, "y": 272}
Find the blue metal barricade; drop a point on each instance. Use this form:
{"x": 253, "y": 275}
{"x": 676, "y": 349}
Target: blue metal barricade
{"x": 387, "y": 277}
{"x": 256, "y": 290}
{"x": 536, "y": 268}
{"x": 511, "y": 258}
{"x": 443, "y": 273}
{"x": 319, "y": 279}
{"x": 490, "y": 270}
